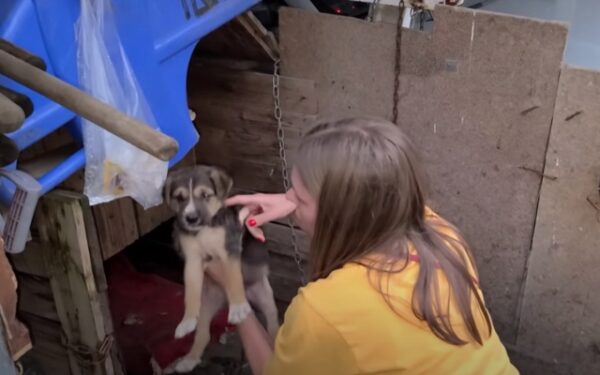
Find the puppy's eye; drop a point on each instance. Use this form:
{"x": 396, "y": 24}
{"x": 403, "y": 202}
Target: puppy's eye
{"x": 204, "y": 195}
{"x": 179, "y": 197}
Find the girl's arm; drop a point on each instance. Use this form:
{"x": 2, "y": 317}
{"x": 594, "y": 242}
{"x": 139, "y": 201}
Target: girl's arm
{"x": 256, "y": 343}
{"x": 255, "y": 340}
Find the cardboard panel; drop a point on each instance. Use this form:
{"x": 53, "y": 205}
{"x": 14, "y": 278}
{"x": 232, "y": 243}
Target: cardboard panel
{"x": 476, "y": 97}
{"x": 493, "y": 107}
{"x": 560, "y": 319}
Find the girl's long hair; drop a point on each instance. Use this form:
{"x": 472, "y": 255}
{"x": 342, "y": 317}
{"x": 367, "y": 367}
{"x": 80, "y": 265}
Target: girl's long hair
{"x": 365, "y": 176}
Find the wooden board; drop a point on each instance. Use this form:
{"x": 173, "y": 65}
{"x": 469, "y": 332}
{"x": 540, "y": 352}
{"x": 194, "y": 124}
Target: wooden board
{"x": 243, "y": 138}
{"x": 30, "y": 261}
{"x": 48, "y": 351}
{"x": 36, "y": 298}
{"x": 116, "y": 225}
{"x": 243, "y": 38}
{"x": 97, "y": 265}
{"x": 466, "y": 97}
{"x": 560, "y": 319}
{"x": 62, "y": 225}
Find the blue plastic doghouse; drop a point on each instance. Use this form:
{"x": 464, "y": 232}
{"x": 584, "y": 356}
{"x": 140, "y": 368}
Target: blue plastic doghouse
{"x": 158, "y": 36}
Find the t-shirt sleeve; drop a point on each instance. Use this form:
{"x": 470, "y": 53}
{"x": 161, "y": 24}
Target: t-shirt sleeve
{"x": 308, "y": 344}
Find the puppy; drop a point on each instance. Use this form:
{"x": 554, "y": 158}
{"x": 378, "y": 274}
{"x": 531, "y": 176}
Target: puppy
{"x": 209, "y": 234}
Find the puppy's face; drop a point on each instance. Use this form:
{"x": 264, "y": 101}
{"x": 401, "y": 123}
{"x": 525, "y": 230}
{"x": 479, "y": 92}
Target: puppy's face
{"x": 196, "y": 194}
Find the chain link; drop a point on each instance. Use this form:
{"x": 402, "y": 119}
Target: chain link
{"x": 398, "y": 58}
{"x": 87, "y": 356}
{"x": 284, "y": 164}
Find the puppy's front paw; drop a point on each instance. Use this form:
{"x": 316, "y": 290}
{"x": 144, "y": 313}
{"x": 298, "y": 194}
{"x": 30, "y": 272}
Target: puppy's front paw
{"x": 186, "y": 364}
{"x": 239, "y": 312}
{"x": 185, "y": 327}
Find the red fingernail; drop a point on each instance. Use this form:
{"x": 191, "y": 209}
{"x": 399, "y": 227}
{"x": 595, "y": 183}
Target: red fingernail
{"x": 252, "y": 222}
{"x": 263, "y": 240}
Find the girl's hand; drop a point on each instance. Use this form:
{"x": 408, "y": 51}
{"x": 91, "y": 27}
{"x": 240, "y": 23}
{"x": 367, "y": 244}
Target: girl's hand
{"x": 262, "y": 209}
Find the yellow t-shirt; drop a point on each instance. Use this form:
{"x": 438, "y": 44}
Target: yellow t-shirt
{"x": 343, "y": 325}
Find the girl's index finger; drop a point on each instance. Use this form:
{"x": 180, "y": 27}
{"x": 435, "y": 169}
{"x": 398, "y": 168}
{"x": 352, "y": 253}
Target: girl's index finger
{"x": 241, "y": 200}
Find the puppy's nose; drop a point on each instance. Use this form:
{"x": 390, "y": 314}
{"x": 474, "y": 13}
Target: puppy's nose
{"x": 192, "y": 218}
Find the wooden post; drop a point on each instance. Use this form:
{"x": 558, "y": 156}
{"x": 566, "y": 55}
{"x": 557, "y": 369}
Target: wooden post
{"x": 82, "y": 311}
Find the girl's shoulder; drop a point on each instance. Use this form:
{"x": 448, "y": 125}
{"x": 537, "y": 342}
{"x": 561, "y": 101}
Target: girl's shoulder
{"x": 352, "y": 291}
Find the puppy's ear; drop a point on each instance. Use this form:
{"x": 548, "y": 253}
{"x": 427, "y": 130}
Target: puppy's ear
{"x": 167, "y": 189}
{"x": 222, "y": 182}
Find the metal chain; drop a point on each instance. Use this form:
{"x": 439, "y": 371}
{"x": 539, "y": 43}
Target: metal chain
{"x": 85, "y": 355}
{"x": 396, "y": 99}
{"x": 284, "y": 164}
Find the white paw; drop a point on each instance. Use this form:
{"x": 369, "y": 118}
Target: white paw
{"x": 185, "y": 327}
{"x": 186, "y": 364}
{"x": 237, "y": 313}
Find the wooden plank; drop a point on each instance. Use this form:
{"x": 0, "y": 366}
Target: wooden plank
{"x": 560, "y": 319}
{"x": 243, "y": 139}
{"x": 116, "y": 225}
{"x": 149, "y": 219}
{"x": 264, "y": 38}
{"x": 285, "y": 275}
{"x": 48, "y": 350}
{"x": 476, "y": 97}
{"x": 74, "y": 183}
{"x": 248, "y": 176}
{"x": 279, "y": 240}
{"x": 242, "y": 38}
{"x": 40, "y": 165}
{"x": 244, "y": 143}
{"x": 251, "y": 91}
{"x": 30, "y": 261}
{"x": 36, "y": 298}
{"x": 55, "y": 140}
{"x": 113, "y": 363}
{"x": 67, "y": 255}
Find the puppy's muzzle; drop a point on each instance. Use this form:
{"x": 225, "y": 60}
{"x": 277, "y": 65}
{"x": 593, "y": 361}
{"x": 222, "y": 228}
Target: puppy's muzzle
{"x": 192, "y": 219}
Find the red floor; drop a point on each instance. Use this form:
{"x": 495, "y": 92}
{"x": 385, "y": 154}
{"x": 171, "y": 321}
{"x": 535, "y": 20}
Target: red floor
{"x": 146, "y": 308}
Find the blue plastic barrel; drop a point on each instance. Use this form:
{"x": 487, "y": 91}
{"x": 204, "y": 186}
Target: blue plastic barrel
{"x": 158, "y": 36}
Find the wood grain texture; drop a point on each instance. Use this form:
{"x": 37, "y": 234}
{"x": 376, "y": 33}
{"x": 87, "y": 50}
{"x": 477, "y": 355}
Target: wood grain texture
{"x": 116, "y": 225}
{"x": 243, "y": 138}
{"x": 61, "y": 222}
{"x": 243, "y": 38}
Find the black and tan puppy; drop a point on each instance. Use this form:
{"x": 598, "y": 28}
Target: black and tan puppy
{"x": 210, "y": 235}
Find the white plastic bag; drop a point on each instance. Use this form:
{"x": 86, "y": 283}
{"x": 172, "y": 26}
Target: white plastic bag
{"x": 114, "y": 168}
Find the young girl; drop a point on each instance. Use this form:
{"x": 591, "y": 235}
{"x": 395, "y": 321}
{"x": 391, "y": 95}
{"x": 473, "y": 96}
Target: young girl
{"x": 394, "y": 288}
